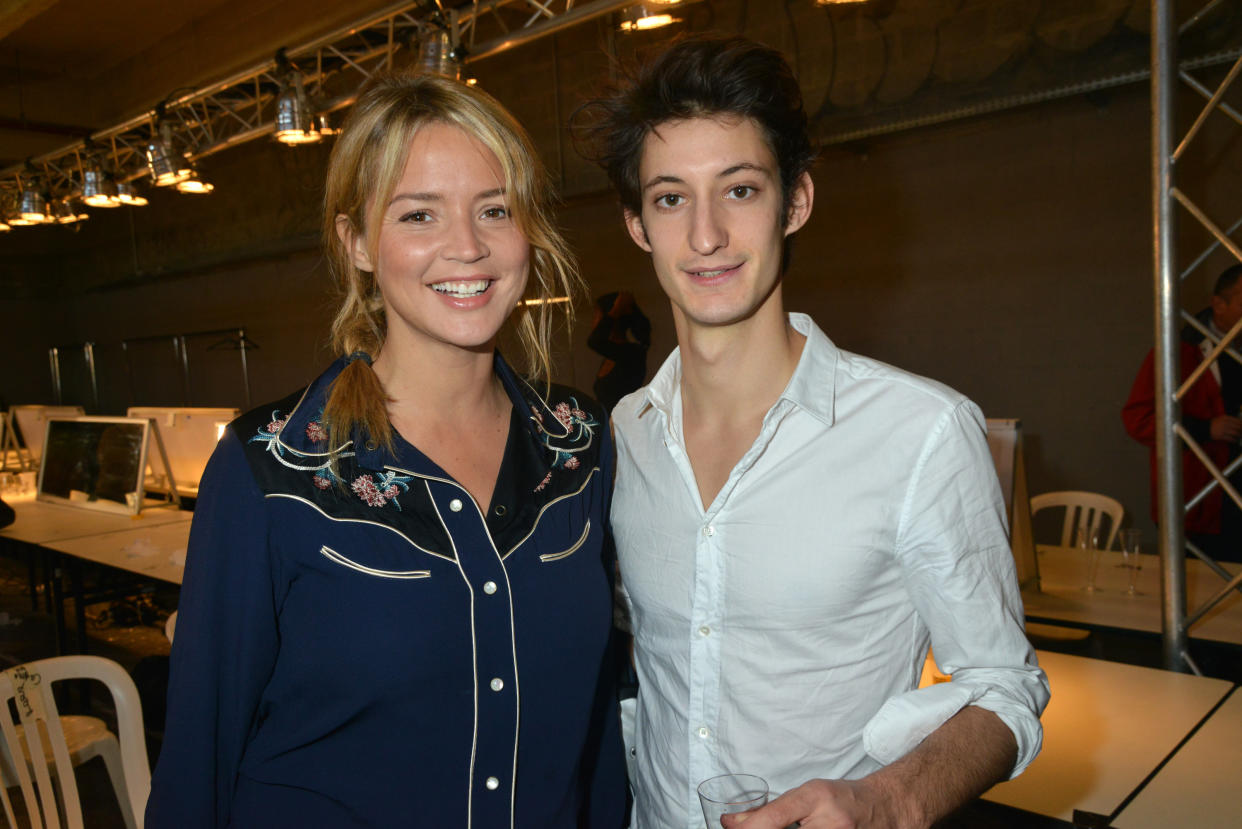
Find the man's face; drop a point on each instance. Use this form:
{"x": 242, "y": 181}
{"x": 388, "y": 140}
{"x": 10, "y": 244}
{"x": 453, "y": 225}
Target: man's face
{"x": 1227, "y": 310}
{"x": 711, "y": 218}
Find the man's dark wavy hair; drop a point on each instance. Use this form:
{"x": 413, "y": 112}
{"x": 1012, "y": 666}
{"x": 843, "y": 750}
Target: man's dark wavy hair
{"x": 701, "y": 75}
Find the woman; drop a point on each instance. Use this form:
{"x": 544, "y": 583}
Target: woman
{"x": 396, "y": 603}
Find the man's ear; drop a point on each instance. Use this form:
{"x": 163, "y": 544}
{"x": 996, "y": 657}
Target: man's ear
{"x": 634, "y": 224}
{"x": 356, "y": 246}
{"x": 801, "y": 203}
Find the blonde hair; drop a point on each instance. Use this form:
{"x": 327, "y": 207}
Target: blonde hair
{"x": 363, "y": 172}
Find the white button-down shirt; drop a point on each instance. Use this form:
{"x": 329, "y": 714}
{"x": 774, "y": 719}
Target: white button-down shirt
{"x": 781, "y": 632}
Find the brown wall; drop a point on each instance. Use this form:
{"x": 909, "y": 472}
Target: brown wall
{"x": 1008, "y": 256}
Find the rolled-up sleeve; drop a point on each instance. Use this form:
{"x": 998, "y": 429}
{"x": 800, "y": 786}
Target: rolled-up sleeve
{"x": 959, "y": 571}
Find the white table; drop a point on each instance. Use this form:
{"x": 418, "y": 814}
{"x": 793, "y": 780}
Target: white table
{"x": 1060, "y": 597}
{"x": 1196, "y": 788}
{"x": 1106, "y": 728}
{"x": 151, "y": 544}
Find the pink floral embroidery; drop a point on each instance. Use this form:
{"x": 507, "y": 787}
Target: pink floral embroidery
{"x": 547, "y": 479}
{"x": 364, "y": 487}
{"x": 321, "y": 481}
{"x": 314, "y": 431}
{"x": 571, "y": 463}
{"x": 563, "y": 414}
{"x": 276, "y": 425}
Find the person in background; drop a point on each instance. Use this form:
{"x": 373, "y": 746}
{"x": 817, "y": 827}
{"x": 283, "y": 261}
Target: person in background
{"x": 1210, "y": 413}
{"x": 794, "y": 523}
{"x": 624, "y": 369}
{"x": 397, "y": 600}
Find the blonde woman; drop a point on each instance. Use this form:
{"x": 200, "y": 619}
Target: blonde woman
{"x": 396, "y": 605}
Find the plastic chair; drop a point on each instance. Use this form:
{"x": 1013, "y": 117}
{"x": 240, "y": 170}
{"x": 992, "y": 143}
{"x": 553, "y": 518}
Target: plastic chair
{"x": 1083, "y": 510}
{"x": 68, "y": 741}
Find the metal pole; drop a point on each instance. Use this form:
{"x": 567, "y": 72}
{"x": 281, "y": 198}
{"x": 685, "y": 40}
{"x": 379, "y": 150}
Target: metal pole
{"x": 53, "y": 356}
{"x": 245, "y": 366}
{"x": 1168, "y": 356}
{"x": 88, "y": 351}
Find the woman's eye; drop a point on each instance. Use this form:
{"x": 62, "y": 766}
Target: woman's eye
{"x": 668, "y": 200}
{"x": 741, "y": 191}
{"x": 416, "y": 216}
{"x": 496, "y": 213}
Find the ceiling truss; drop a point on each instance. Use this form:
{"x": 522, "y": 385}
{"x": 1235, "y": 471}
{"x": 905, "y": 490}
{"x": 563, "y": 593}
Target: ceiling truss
{"x": 242, "y": 108}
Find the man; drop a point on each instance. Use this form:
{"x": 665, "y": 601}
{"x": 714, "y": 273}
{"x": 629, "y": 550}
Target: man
{"x": 794, "y": 523}
{"x": 1210, "y": 410}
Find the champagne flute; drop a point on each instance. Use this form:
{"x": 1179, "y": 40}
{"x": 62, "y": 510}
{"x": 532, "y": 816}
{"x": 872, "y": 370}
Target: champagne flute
{"x": 1131, "y": 544}
{"x": 728, "y": 794}
{"x": 1089, "y": 543}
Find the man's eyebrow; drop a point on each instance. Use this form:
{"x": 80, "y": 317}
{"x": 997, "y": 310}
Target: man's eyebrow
{"x": 725, "y": 173}
{"x": 661, "y": 180}
{"x": 744, "y": 165}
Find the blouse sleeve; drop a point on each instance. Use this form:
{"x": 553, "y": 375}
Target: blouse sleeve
{"x": 224, "y": 649}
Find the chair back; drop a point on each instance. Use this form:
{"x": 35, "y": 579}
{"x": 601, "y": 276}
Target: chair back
{"x": 1083, "y": 513}
{"x": 29, "y": 686}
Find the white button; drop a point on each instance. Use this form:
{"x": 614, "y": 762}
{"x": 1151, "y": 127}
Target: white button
{"x": 497, "y": 683}
{"x": 492, "y": 784}
{"x": 709, "y": 531}
{"x": 455, "y": 505}
{"x": 705, "y": 631}
{"x": 704, "y": 732}
{"x": 489, "y": 587}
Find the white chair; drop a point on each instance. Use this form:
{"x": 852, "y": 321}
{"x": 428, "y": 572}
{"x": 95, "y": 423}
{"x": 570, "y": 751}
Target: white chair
{"x": 1083, "y": 512}
{"x": 68, "y": 741}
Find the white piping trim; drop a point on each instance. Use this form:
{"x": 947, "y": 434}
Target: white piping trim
{"x": 548, "y": 506}
{"x": 474, "y": 662}
{"x": 333, "y": 555}
{"x": 316, "y": 507}
{"x": 289, "y": 417}
{"x": 546, "y": 557}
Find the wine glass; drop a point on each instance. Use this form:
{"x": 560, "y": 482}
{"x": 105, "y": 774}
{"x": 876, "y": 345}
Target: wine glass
{"x": 1089, "y": 543}
{"x": 1131, "y": 545}
{"x": 728, "y": 794}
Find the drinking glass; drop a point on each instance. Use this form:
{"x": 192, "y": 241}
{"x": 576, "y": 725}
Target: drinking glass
{"x": 1131, "y": 544}
{"x": 1089, "y": 543}
{"x": 728, "y": 794}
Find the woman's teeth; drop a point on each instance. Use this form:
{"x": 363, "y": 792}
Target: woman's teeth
{"x": 462, "y": 289}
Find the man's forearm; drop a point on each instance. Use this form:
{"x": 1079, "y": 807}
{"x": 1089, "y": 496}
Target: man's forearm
{"x": 956, "y": 763}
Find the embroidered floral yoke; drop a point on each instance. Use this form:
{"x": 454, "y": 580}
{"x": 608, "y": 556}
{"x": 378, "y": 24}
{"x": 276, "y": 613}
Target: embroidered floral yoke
{"x": 369, "y": 647}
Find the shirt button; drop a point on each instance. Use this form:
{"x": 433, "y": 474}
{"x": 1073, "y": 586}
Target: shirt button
{"x": 489, "y": 587}
{"x": 704, "y": 732}
{"x": 497, "y": 683}
{"x": 455, "y": 505}
{"x": 500, "y": 509}
{"x": 372, "y": 446}
{"x": 709, "y": 531}
{"x": 705, "y": 631}
{"x": 492, "y": 784}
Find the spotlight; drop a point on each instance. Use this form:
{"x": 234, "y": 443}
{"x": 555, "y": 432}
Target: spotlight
{"x": 98, "y": 189}
{"x": 167, "y": 166}
{"x": 33, "y": 206}
{"x": 126, "y": 193}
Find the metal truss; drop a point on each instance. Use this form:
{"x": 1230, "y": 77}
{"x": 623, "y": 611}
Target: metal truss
{"x": 1170, "y": 387}
{"x": 242, "y": 108}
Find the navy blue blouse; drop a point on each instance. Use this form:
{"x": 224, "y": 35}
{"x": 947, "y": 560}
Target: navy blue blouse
{"x": 370, "y": 648}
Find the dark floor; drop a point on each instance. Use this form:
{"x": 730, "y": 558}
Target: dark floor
{"x": 27, "y": 634}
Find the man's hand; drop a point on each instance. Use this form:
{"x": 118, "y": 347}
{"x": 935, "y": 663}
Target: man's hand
{"x": 827, "y": 804}
{"x": 1227, "y": 428}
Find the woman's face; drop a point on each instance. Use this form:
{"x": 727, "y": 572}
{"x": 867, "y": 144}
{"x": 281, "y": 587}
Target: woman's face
{"x": 452, "y": 264}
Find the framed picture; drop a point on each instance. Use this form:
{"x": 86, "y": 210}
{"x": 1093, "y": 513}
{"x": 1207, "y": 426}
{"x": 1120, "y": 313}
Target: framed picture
{"x": 94, "y": 463}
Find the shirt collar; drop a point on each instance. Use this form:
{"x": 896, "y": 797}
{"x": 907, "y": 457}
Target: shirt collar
{"x": 812, "y": 387}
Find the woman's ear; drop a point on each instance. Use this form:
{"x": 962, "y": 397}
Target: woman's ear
{"x": 353, "y": 243}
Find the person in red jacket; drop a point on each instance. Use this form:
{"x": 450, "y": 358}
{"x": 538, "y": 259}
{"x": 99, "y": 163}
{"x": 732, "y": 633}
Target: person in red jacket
{"x": 1210, "y": 410}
